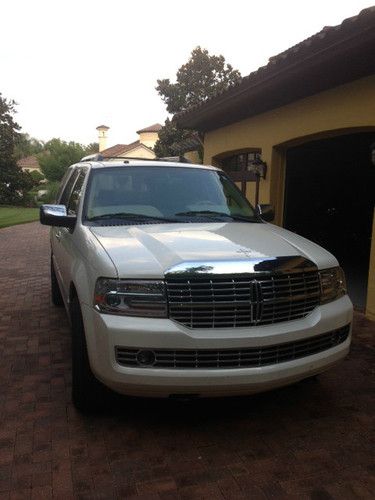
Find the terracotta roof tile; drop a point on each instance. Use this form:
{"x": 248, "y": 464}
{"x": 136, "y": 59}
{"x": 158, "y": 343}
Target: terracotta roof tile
{"x": 113, "y": 150}
{"x": 156, "y": 127}
{"x": 121, "y": 149}
{"x": 28, "y": 162}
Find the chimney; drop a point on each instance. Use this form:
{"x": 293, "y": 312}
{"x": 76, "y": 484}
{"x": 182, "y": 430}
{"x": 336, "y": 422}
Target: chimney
{"x": 102, "y": 130}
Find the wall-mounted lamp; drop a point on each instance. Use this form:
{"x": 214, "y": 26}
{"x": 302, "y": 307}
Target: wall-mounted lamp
{"x": 259, "y": 168}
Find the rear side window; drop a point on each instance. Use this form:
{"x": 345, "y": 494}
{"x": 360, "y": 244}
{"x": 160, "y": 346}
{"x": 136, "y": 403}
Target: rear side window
{"x": 76, "y": 193}
{"x": 68, "y": 188}
{"x": 62, "y": 184}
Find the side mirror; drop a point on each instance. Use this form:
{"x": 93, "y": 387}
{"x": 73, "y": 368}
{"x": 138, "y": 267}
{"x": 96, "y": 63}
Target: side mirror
{"x": 56, "y": 215}
{"x": 266, "y": 212}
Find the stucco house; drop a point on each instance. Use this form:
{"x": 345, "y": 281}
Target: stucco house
{"x": 29, "y": 164}
{"x": 141, "y": 148}
{"x": 309, "y": 114}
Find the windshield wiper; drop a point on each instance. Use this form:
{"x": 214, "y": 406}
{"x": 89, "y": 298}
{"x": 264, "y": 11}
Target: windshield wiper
{"x": 217, "y": 214}
{"x": 129, "y": 215}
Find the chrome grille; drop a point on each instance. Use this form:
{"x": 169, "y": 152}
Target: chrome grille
{"x": 234, "y": 358}
{"x": 230, "y": 302}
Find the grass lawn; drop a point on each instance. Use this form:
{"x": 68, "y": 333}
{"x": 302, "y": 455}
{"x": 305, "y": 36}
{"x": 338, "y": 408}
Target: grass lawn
{"x": 10, "y": 216}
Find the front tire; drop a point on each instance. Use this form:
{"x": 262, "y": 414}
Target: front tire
{"x": 88, "y": 394}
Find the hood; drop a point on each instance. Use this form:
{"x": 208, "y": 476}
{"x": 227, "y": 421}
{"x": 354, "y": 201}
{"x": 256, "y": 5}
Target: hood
{"x": 149, "y": 250}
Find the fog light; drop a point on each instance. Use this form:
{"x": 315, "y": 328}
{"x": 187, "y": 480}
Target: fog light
{"x": 145, "y": 358}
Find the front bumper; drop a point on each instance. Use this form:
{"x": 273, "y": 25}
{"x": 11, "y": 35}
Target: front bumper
{"x": 104, "y": 332}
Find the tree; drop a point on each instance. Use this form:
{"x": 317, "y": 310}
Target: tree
{"x": 14, "y": 183}
{"x": 170, "y": 140}
{"x": 202, "y": 77}
{"x": 27, "y": 146}
{"x": 92, "y": 148}
{"x": 37, "y": 177}
{"x": 58, "y": 155}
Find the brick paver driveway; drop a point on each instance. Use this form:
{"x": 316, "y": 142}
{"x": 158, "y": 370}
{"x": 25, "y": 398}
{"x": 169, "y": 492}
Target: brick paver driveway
{"x": 312, "y": 440}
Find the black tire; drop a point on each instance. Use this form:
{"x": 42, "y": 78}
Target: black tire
{"x": 57, "y": 299}
{"x": 88, "y": 394}
{"x": 314, "y": 379}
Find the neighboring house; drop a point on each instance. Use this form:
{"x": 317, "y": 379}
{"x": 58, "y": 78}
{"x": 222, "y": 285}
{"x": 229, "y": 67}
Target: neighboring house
{"x": 309, "y": 114}
{"x": 29, "y": 164}
{"x": 141, "y": 148}
{"x": 144, "y": 146}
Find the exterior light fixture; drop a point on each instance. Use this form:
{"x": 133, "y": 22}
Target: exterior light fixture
{"x": 259, "y": 168}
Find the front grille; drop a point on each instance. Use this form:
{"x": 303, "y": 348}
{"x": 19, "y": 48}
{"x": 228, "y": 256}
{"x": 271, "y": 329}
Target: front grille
{"x": 234, "y": 302}
{"x": 233, "y": 358}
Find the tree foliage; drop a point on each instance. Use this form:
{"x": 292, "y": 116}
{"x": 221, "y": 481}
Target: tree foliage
{"x": 14, "y": 183}
{"x": 58, "y": 155}
{"x": 37, "y": 176}
{"x": 27, "y": 146}
{"x": 92, "y": 148}
{"x": 170, "y": 140}
{"x": 202, "y": 77}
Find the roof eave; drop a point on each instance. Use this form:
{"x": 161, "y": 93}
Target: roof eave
{"x": 278, "y": 86}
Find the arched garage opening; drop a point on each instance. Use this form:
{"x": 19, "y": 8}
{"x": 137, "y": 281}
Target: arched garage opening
{"x": 329, "y": 198}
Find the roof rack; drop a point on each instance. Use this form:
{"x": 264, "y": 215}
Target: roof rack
{"x": 178, "y": 159}
{"x": 126, "y": 159}
{"x": 93, "y": 157}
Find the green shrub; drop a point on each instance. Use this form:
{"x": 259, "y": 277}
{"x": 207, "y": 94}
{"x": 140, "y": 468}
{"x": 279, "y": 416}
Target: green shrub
{"x": 37, "y": 176}
{"x": 29, "y": 200}
{"x": 51, "y": 194}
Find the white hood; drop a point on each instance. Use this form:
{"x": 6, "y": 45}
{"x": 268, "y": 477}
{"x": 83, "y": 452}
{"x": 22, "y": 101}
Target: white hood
{"x": 148, "y": 250}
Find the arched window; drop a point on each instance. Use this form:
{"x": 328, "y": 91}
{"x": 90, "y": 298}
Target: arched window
{"x": 236, "y": 165}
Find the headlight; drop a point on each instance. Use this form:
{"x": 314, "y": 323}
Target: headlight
{"x": 131, "y": 298}
{"x": 332, "y": 284}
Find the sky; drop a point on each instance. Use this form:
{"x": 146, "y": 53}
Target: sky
{"x": 75, "y": 64}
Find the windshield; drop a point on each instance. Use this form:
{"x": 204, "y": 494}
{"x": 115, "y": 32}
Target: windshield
{"x": 158, "y": 193}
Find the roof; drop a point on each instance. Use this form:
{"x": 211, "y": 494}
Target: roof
{"x": 120, "y": 149}
{"x": 156, "y": 127}
{"x": 113, "y": 150}
{"x": 102, "y": 127}
{"x": 28, "y": 162}
{"x": 333, "y": 56}
{"x": 152, "y": 163}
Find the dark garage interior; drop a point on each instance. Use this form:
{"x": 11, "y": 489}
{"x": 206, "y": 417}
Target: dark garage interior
{"x": 329, "y": 199}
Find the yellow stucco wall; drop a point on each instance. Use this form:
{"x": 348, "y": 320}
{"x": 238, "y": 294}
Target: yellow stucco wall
{"x": 102, "y": 138}
{"x": 344, "y": 109}
{"x": 193, "y": 156}
{"x": 140, "y": 152}
{"x": 148, "y": 138}
{"x": 32, "y": 169}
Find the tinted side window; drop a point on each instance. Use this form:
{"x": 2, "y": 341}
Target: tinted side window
{"x": 76, "y": 193}
{"x": 68, "y": 188}
{"x": 62, "y": 184}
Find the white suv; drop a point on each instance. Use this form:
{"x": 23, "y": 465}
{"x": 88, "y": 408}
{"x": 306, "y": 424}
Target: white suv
{"x": 175, "y": 285}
